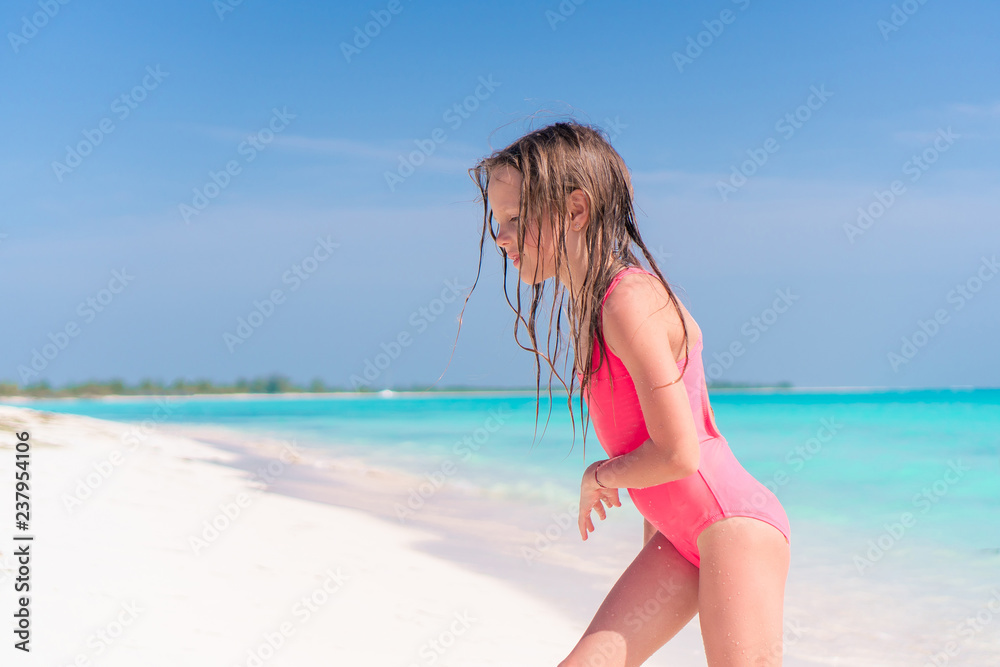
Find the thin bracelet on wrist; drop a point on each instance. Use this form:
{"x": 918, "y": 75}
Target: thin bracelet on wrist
{"x": 596, "y": 471}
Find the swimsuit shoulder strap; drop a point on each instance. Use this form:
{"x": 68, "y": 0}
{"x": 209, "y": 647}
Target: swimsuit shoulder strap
{"x": 617, "y": 279}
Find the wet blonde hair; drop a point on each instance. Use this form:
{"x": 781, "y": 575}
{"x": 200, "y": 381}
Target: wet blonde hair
{"x": 554, "y": 161}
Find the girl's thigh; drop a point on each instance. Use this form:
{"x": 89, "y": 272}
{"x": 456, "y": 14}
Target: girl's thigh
{"x": 654, "y": 598}
{"x": 741, "y": 591}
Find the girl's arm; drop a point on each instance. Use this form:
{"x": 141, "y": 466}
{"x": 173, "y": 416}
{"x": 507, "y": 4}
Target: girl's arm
{"x": 641, "y": 327}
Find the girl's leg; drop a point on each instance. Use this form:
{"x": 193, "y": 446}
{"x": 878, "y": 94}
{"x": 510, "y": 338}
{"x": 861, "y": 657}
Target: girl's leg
{"x": 654, "y": 598}
{"x": 741, "y": 592}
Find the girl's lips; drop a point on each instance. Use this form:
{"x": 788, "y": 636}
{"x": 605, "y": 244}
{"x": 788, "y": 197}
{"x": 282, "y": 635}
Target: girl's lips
{"x": 515, "y": 259}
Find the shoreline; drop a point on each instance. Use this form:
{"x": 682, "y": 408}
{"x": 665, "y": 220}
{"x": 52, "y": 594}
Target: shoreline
{"x": 476, "y": 393}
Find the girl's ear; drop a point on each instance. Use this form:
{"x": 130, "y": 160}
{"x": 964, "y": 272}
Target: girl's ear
{"x": 578, "y": 208}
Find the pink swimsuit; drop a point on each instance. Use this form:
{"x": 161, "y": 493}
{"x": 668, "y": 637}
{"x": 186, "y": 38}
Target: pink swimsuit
{"x": 680, "y": 509}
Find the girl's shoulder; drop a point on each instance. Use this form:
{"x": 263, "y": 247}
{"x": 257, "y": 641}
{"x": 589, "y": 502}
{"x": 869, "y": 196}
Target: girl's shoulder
{"x": 630, "y": 287}
{"x": 636, "y": 298}
{"x": 624, "y": 274}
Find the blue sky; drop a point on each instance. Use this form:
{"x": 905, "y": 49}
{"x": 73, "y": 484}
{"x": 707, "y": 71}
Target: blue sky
{"x": 279, "y": 140}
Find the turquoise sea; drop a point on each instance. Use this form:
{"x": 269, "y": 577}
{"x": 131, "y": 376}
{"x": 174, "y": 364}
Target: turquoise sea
{"x": 845, "y": 459}
{"x": 893, "y": 496}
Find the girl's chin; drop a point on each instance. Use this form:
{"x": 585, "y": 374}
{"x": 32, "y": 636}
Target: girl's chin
{"x": 528, "y": 278}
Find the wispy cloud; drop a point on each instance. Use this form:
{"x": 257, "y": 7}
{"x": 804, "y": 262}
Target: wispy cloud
{"x": 971, "y": 121}
{"x": 675, "y": 178}
{"x": 918, "y": 137}
{"x": 977, "y": 110}
{"x": 450, "y": 156}
{"x": 320, "y": 145}
{"x": 334, "y": 146}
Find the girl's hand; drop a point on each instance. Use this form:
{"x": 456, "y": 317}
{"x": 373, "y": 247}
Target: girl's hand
{"x": 593, "y": 496}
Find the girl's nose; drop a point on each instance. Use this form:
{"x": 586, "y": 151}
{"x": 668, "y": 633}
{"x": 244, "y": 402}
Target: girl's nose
{"x": 505, "y": 237}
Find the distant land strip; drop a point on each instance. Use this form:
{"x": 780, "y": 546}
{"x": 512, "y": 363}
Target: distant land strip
{"x": 270, "y": 384}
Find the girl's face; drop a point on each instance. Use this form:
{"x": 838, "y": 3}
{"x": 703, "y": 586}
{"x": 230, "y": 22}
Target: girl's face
{"x": 536, "y": 262}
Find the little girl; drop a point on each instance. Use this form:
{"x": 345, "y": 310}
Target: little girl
{"x": 716, "y": 541}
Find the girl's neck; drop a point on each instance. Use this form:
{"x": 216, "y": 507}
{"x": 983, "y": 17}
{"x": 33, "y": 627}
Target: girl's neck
{"x": 576, "y": 287}
{"x": 577, "y": 268}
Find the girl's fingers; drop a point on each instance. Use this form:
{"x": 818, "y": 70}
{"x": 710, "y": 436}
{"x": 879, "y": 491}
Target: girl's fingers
{"x": 586, "y": 521}
{"x": 611, "y": 502}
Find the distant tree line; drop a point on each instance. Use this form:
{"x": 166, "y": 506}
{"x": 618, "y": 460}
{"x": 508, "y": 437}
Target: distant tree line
{"x": 270, "y": 384}
{"x": 748, "y": 385}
